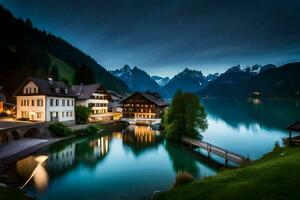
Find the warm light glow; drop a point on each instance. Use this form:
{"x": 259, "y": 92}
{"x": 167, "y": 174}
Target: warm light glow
{"x": 32, "y": 168}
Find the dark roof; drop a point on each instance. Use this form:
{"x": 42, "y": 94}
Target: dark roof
{"x": 85, "y": 91}
{"x": 294, "y": 127}
{"x": 153, "y": 97}
{"x": 48, "y": 88}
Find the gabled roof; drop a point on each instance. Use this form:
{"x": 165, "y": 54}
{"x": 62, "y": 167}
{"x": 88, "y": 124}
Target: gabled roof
{"x": 153, "y": 97}
{"x": 85, "y": 91}
{"x": 294, "y": 127}
{"x": 46, "y": 87}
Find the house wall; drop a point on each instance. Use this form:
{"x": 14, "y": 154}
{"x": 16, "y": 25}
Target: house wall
{"x": 27, "y": 107}
{"x": 60, "y": 112}
{"x": 95, "y": 104}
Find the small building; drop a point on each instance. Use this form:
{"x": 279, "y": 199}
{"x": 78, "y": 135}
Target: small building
{"x": 45, "y": 101}
{"x": 143, "y": 108}
{"x": 95, "y": 97}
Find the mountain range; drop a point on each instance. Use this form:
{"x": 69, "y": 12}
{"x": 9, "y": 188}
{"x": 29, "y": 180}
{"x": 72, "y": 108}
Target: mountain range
{"x": 267, "y": 82}
{"x": 137, "y": 79}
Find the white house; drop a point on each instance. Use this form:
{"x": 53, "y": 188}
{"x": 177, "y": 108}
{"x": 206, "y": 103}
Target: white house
{"x": 45, "y": 101}
{"x": 96, "y": 98}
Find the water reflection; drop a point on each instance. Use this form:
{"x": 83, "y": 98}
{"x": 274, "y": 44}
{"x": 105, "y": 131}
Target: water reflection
{"x": 272, "y": 114}
{"x": 141, "y": 138}
{"x": 33, "y": 169}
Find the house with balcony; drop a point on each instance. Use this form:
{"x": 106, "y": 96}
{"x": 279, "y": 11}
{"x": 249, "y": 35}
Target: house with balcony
{"x": 96, "y": 97}
{"x": 143, "y": 108}
{"x": 45, "y": 101}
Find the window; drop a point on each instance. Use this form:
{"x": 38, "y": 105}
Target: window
{"x": 21, "y": 102}
{"x": 39, "y": 115}
{"x": 32, "y": 102}
{"x": 27, "y": 102}
{"x": 68, "y": 102}
{"x": 51, "y": 102}
{"x": 63, "y": 102}
{"x": 71, "y": 114}
{"x": 67, "y": 113}
{"x": 63, "y": 114}
{"x": 72, "y": 101}
{"x": 35, "y": 90}
{"x": 57, "y": 102}
{"x": 40, "y": 102}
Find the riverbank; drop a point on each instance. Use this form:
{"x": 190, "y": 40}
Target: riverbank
{"x": 275, "y": 176}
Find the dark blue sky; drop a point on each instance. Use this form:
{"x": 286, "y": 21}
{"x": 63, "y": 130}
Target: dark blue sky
{"x": 164, "y": 37}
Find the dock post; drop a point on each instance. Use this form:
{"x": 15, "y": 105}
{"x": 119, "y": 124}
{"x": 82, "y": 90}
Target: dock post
{"x": 226, "y": 159}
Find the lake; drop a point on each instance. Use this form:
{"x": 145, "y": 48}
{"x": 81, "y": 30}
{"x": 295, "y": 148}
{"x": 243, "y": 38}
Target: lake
{"x": 135, "y": 162}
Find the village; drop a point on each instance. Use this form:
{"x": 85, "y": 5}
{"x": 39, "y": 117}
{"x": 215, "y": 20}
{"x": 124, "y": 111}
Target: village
{"x": 40, "y": 103}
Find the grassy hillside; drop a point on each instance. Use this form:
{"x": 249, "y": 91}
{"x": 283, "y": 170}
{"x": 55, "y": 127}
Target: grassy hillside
{"x": 65, "y": 70}
{"x": 275, "y": 176}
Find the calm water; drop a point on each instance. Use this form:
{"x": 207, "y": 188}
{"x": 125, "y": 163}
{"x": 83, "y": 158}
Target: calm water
{"x": 135, "y": 162}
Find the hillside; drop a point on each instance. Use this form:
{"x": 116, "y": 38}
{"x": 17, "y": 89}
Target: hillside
{"x": 275, "y": 176}
{"x": 26, "y": 51}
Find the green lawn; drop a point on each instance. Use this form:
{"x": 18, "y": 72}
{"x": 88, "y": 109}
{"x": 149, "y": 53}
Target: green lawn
{"x": 275, "y": 176}
{"x": 12, "y": 194}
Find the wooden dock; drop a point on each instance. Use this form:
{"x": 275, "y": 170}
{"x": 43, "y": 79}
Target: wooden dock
{"x": 210, "y": 148}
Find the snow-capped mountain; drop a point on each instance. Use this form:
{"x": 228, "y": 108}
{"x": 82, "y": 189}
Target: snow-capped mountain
{"x": 137, "y": 79}
{"x": 160, "y": 80}
{"x": 187, "y": 80}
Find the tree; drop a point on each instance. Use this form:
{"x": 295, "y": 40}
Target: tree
{"x": 82, "y": 114}
{"x": 84, "y": 74}
{"x": 54, "y": 73}
{"x": 185, "y": 117}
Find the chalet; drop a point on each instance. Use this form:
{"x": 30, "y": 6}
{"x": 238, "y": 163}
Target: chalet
{"x": 45, "y": 101}
{"x": 143, "y": 108}
{"x": 96, "y": 98}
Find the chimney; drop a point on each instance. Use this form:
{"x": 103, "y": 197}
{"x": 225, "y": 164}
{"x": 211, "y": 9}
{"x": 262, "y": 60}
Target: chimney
{"x": 50, "y": 80}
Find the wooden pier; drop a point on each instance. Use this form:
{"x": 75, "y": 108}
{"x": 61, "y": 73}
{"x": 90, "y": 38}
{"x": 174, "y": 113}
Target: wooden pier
{"x": 210, "y": 148}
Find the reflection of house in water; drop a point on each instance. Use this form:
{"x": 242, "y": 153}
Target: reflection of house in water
{"x": 32, "y": 169}
{"x": 99, "y": 147}
{"x": 140, "y": 138}
{"x": 61, "y": 160}
{"x": 92, "y": 151}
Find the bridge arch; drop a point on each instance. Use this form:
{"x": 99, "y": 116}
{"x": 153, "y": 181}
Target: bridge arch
{"x": 33, "y": 133}
{"x": 15, "y": 135}
{"x": 4, "y": 138}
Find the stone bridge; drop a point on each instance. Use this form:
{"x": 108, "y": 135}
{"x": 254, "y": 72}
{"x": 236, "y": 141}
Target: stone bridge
{"x": 36, "y": 130}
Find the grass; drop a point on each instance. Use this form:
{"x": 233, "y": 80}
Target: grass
{"x": 12, "y": 194}
{"x": 65, "y": 71}
{"x": 275, "y": 176}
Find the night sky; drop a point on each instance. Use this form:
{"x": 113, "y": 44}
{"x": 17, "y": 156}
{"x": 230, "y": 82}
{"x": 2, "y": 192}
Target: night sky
{"x": 164, "y": 37}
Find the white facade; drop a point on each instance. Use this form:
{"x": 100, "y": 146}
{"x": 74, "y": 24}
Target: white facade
{"x": 98, "y": 103}
{"x": 44, "y": 108}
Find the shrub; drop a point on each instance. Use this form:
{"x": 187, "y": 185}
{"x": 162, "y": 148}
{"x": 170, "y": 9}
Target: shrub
{"x": 59, "y": 129}
{"x": 92, "y": 129}
{"x": 82, "y": 114}
{"x": 183, "y": 178}
{"x": 276, "y": 146}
